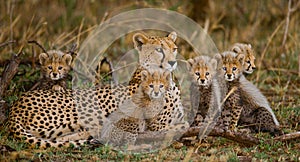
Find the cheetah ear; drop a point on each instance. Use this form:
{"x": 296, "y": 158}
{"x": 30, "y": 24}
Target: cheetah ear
{"x": 144, "y": 74}
{"x": 241, "y": 58}
{"x": 250, "y": 46}
{"x": 67, "y": 58}
{"x": 43, "y": 57}
{"x": 139, "y": 39}
{"x": 173, "y": 36}
{"x": 214, "y": 63}
{"x": 236, "y": 49}
{"x": 190, "y": 63}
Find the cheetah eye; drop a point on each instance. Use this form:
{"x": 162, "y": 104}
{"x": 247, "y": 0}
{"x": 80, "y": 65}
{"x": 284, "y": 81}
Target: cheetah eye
{"x": 161, "y": 86}
{"x": 234, "y": 68}
{"x": 207, "y": 73}
{"x": 224, "y": 68}
{"x": 59, "y": 68}
{"x": 151, "y": 85}
{"x": 160, "y": 50}
{"x": 197, "y": 73}
{"x": 248, "y": 61}
{"x": 50, "y": 67}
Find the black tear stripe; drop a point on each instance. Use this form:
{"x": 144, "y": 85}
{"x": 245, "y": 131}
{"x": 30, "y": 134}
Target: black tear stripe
{"x": 164, "y": 55}
{"x": 249, "y": 66}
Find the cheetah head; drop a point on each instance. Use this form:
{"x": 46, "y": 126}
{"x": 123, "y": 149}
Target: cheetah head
{"x": 155, "y": 82}
{"x": 232, "y": 65}
{"x": 246, "y": 49}
{"x": 158, "y": 51}
{"x": 55, "y": 64}
{"x": 202, "y": 69}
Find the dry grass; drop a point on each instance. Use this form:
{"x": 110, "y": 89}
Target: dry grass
{"x": 270, "y": 26}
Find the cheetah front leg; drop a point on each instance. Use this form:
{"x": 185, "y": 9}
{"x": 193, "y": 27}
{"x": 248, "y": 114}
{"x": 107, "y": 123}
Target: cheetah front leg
{"x": 236, "y": 110}
{"x": 231, "y": 112}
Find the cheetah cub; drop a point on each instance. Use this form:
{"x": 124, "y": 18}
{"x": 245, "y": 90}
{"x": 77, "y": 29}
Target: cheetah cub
{"x": 240, "y": 106}
{"x": 246, "y": 49}
{"x": 253, "y": 94}
{"x": 55, "y": 67}
{"x": 132, "y": 117}
{"x": 204, "y": 89}
{"x": 232, "y": 69}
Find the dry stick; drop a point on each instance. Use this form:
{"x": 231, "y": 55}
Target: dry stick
{"x": 287, "y": 24}
{"x": 79, "y": 31}
{"x": 11, "y": 24}
{"x": 290, "y": 10}
{"x": 265, "y": 49}
{"x": 240, "y": 137}
{"x": 287, "y": 137}
{"x": 7, "y": 43}
{"x": 35, "y": 42}
{"x": 9, "y": 72}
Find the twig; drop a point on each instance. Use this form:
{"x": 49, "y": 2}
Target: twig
{"x": 7, "y": 43}
{"x": 240, "y": 137}
{"x": 265, "y": 49}
{"x": 35, "y": 42}
{"x": 104, "y": 17}
{"x": 288, "y": 137}
{"x": 11, "y": 24}
{"x": 79, "y": 31}
{"x": 287, "y": 24}
{"x": 9, "y": 72}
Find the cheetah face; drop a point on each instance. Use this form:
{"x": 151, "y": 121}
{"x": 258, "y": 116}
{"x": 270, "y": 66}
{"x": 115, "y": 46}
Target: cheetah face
{"x": 249, "y": 65}
{"x": 202, "y": 70}
{"x": 230, "y": 71}
{"x": 55, "y": 65}
{"x": 157, "y": 51}
{"x": 55, "y": 72}
{"x": 232, "y": 65}
{"x": 156, "y": 90}
{"x": 246, "y": 49}
{"x": 155, "y": 82}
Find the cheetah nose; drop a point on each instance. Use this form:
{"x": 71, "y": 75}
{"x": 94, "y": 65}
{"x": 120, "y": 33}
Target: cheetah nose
{"x": 54, "y": 74}
{"x": 229, "y": 75}
{"x": 253, "y": 68}
{"x": 172, "y": 63}
{"x": 156, "y": 93}
{"x": 202, "y": 80}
